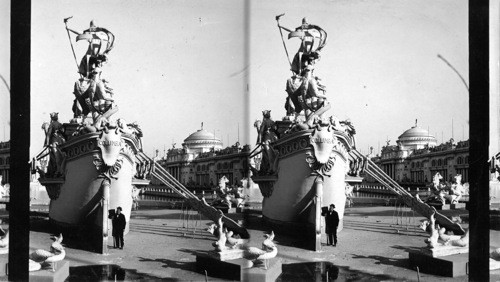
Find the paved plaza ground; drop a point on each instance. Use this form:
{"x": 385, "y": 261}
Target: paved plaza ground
{"x": 372, "y": 246}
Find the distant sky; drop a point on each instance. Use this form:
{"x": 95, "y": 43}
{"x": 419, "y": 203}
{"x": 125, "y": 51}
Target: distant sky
{"x": 179, "y": 63}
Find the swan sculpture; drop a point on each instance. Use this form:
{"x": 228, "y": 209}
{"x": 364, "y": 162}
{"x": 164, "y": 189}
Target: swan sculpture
{"x": 445, "y": 237}
{"x": 234, "y": 242}
{"x": 220, "y": 244}
{"x": 432, "y": 241}
{"x": 463, "y": 241}
{"x": 34, "y": 266}
{"x": 438, "y": 233}
{"x": 268, "y": 251}
{"x": 56, "y": 253}
{"x": 495, "y": 259}
{"x": 4, "y": 241}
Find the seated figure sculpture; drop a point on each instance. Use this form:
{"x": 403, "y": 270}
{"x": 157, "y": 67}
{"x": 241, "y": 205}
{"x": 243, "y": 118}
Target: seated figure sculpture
{"x": 94, "y": 96}
{"x": 92, "y": 93}
{"x": 437, "y": 189}
{"x": 223, "y": 193}
{"x": 456, "y": 190}
{"x": 305, "y": 91}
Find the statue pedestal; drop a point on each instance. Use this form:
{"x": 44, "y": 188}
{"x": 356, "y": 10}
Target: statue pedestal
{"x": 258, "y": 273}
{"x": 229, "y": 254}
{"x": 457, "y": 206}
{"x": 60, "y": 274}
{"x": 238, "y": 269}
{"x": 230, "y": 270}
{"x": 4, "y": 259}
{"x": 449, "y": 266}
{"x": 444, "y": 251}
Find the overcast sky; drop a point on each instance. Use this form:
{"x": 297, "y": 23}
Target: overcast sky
{"x": 177, "y": 64}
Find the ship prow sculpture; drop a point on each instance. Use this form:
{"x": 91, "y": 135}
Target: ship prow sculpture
{"x": 300, "y": 163}
{"x": 91, "y": 164}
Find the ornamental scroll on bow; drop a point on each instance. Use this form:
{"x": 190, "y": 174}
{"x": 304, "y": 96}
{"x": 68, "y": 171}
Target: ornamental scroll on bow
{"x": 111, "y": 144}
{"x": 323, "y": 141}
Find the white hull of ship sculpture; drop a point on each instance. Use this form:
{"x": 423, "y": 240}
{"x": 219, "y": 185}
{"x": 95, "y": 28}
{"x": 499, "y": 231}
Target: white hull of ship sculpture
{"x": 304, "y": 157}
{"x": 300, "y": 174}
{"x": 91, "y": 164}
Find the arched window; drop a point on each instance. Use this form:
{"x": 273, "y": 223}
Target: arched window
{"x": 1, "y": 161}
{"x": 433, "y": 162}
{"x": 7, "y": 160}
{"x": 440, "y": 162}
{"x": 460, "y": 160}
{"x": 412, "y": 165}
{"x": 467, "y": 160}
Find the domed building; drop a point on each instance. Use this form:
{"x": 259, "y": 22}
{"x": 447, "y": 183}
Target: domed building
{"x": 203, "y": 160}
{"x": 202, "y": 141}
{"x": 416, "y": 138}
{"x": 417, "y": 157}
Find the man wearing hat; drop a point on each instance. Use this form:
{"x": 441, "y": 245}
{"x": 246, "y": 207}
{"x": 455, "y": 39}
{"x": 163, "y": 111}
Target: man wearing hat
{"x": 332, "y": 222}
{"x": 119, "y": 224}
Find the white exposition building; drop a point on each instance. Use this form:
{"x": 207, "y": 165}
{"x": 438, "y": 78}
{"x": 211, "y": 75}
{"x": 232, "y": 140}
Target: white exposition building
{"x": 416, "y": 157}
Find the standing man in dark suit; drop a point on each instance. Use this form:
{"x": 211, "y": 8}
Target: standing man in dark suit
{"x": 119, "y": 224}
{"x": 332, "y": 222}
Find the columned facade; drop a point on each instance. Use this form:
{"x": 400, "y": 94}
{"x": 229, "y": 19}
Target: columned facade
{"x": 416, "y": 158}
{"x": 202, "y": 161}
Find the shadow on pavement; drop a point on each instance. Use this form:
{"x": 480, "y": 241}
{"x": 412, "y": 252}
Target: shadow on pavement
{"x": 403, "y": 262}
{"x": 326, "y": 271}
{"x": 110, "y": 272}
{"x": 73, "y": 238}
{"x": 168, "y": 263}
{"x": 194, "y": 252}
{"x": 407, "y": 248}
